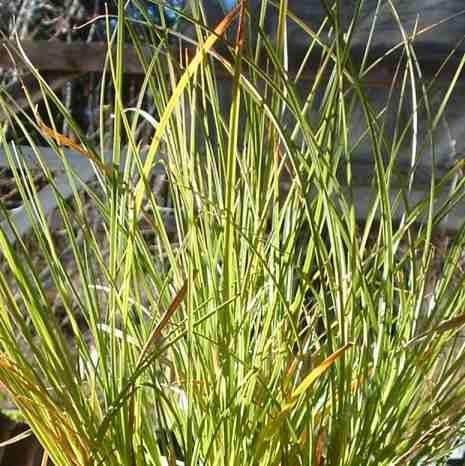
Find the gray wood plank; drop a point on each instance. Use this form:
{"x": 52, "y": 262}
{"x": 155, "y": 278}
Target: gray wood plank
{"x": 83, "y": 173}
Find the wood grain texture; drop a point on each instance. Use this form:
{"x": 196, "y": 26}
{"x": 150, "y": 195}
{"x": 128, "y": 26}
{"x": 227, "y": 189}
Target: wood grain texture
{"x": 63, "y": 56}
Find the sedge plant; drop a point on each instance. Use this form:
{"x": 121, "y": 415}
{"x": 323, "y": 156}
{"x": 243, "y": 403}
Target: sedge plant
{"x": 270, "y": 325}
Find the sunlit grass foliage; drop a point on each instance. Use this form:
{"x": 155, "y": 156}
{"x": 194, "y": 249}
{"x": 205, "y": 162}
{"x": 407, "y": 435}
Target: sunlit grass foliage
{"x": 269, "y": 326}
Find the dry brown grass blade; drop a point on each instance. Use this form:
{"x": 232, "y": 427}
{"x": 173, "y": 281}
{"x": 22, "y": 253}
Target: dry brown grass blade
{"x": 67, "y": 142}
{"x": 41, "y": 411}
{"x": 153, "y": 338}
{"x": 450, "y": 324}
{"x": 274, "y": 426}
{"x": 408, "y": 456}
{"x": 444, "y": 326}
{"x": 44, "y": 461}
{"x": 316, "y": 373}
{"x": 156, "y": 333}
{"x": 321, "y": 446}
{"x": 240, "y": 38}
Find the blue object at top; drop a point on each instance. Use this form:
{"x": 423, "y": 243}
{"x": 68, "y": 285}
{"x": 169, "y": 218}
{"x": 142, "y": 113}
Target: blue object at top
{"x": 165, "y": 14}
{"x": 228, "y": 5}
{"x": 154, "y": 12}
{"x": 170, "y": 15}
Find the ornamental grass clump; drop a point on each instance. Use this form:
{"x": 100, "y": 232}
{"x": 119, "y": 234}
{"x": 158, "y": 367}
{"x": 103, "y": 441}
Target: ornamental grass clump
{"x": 251, "y": 318}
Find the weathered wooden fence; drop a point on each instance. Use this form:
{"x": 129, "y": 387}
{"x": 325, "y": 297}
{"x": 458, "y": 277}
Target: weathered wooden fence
{"x": 436, "y": 28}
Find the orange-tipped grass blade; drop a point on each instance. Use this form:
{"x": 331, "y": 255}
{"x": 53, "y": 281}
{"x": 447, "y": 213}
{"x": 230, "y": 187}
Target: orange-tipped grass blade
{"x": 182, "y": 84}
{"x": 156, "y": 333}
{"x": 273, "y": 427}
{"x": 63, "y": 140}
{"x": 240, "y": 37}
{"x": 152, "y": 339}
{"x": 314, "y": 375}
